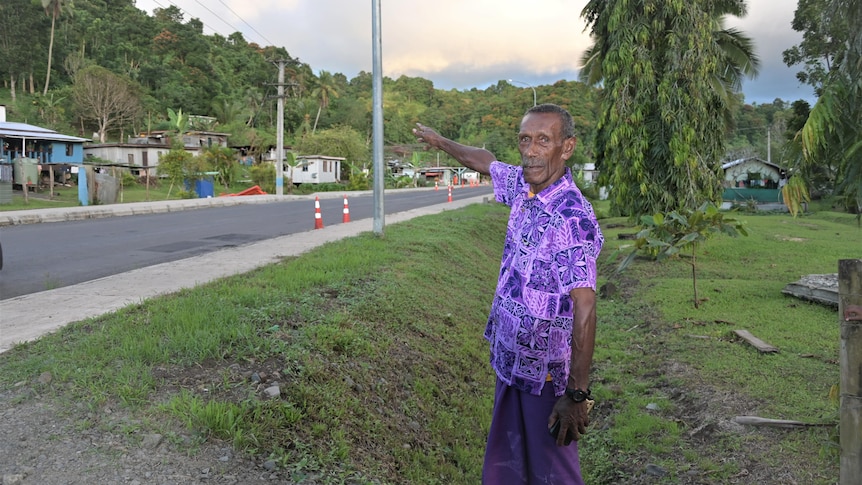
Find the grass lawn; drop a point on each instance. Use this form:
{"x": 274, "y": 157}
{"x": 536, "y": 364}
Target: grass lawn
{"x": 377, "y": 346}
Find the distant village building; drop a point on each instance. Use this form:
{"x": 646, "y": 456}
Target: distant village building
{"x": 752, "y": 172}
{"x": 20, "y": 140}
{"x": 752, "y": 180}
{"x": 31, "y": 155}
{"x": 142, "y": 152}
{"x": 315, "y": 169}
{"x": 448, "y": 175}
{"x": 591, "y": 175}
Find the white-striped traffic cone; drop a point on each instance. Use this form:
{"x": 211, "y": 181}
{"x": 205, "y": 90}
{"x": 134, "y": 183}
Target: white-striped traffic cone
{"x": 346, "y": 216}
{"x": 318, "y": 219}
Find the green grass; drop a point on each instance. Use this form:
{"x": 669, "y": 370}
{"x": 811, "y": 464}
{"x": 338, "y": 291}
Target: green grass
{"x": 376, "y": 344}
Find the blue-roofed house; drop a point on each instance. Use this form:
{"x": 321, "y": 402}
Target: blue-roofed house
{"x": 46, "y": 147}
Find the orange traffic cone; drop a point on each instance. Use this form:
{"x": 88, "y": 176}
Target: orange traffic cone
{"x": 450, "y": 194}
{"x": 346, "y": 216}
{"x": 318, "y": 219}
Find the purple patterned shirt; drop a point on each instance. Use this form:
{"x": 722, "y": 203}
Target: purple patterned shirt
{"x": 552, "y": 243}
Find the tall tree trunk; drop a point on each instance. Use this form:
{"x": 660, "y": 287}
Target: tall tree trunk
{"x": 50, "y": 55}
{"x": 12, "y": 87}
{"x": 694, "y": 276}
{"x": 319, "y": 107}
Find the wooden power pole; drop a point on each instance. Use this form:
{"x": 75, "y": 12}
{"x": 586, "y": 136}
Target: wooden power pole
{"x": 850, "y": 357}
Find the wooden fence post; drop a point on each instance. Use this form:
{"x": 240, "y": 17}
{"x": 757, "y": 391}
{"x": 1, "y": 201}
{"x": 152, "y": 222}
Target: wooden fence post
{"x": 850, "y": 356}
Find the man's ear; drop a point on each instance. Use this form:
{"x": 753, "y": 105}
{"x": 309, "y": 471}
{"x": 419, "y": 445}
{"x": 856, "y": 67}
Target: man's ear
{"x": 569, "y": 147}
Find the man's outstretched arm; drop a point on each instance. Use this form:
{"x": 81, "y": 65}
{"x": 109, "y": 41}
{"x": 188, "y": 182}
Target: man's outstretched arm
{"x": 477, "y": 159}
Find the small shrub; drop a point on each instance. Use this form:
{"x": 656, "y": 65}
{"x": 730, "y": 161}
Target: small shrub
{"x": 359, "y": 181}
{"x": 263, "y": 175}
{"x": 666, "y": 235}
{"x": 128, "y": 180}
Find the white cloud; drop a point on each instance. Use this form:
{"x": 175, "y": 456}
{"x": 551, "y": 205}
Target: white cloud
{"x": 464, "y": 44}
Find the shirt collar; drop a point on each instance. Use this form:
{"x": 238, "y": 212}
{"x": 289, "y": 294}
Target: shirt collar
{"x": 550, "y": 191}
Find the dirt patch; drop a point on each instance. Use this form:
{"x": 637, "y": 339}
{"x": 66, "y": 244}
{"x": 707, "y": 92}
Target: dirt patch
{"x": 49, "y": 442}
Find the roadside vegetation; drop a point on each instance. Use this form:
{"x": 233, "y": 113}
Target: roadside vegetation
{"x": 376, "y": 347}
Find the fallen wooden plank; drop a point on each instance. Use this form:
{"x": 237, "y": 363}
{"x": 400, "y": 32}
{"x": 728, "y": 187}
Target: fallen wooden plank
{"x": 760, "y": 345}
{"x": 777, "y": 423}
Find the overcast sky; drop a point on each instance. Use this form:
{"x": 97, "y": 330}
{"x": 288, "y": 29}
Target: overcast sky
{"x": 463, "y": 44}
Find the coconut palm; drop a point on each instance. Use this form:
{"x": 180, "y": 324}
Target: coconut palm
{"x": 53, "y": 8}
{"x": 323, "y": 91}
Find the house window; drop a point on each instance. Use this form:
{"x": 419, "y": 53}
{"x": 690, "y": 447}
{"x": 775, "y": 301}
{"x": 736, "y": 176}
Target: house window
{"x": 305, "y": 167}
{"x": 326, "y": 165}
{"x": 70, "y": 149}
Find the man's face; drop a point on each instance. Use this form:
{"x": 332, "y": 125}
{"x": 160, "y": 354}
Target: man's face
{"x": 543, "y": 151}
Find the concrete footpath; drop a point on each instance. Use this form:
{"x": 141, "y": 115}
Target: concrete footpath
{"x": 28, "y": 317}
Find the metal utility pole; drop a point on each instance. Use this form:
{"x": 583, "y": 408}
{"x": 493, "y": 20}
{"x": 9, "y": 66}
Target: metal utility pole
{"x": 768, "y": 144}
{"x": 279, "y": 138}
{"x": 377, "y": 117}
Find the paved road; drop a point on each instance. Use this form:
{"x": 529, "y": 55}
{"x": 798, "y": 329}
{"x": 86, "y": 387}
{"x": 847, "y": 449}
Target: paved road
{"x": 48, "y": 256}
{"x": 27, "y": 317}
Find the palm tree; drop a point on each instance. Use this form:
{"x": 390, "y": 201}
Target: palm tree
{"x": 738, "y": 59}
{"x": 835, "y": 123}
{"x": 324, "y": 90}
{"x": 53, "y": 8}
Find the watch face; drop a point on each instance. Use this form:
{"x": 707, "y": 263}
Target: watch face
{"x": 577, "y": 395}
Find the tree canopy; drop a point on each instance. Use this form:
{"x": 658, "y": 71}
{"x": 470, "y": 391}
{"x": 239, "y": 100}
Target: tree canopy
{"x": 669, "y": 70}
{"x": 834, "y": 126}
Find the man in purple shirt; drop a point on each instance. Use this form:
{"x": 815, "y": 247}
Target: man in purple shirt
{"x": 542, "y": 322}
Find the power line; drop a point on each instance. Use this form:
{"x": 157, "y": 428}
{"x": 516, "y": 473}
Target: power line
{"x": 217, "y": 16}
{"x": 190, "y": 15}
{"x": 249, "y": 25}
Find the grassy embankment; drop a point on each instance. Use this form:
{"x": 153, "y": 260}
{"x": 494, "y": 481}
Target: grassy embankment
{"x": 376, "y": 344}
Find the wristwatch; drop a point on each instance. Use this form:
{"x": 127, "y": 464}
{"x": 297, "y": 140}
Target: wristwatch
{"x": 577, "y": 395}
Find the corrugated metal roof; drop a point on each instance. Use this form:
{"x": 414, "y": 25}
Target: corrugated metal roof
{"x": 734, "y": 163}
{"x": 23, "y": 130}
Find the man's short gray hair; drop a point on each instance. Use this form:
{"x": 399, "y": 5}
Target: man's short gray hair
{"x": 568, "y": 125}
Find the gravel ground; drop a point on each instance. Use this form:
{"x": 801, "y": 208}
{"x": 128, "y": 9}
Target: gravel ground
{"x": 44, "y": 443}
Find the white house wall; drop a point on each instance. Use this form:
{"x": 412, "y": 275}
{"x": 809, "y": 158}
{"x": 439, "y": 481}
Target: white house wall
{"x": 314, "y": 173}
{"x": 120, "y": 154}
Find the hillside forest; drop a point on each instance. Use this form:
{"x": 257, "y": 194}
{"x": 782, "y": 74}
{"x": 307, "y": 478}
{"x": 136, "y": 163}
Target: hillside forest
{"x": 52, "y": 51}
